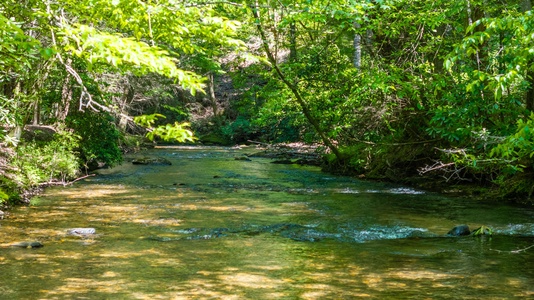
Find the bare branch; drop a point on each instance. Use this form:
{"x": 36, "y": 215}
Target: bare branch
{"x": 438, "y": 165}
{"x": 63, "y": 183}
{"x": 514, "y": 251}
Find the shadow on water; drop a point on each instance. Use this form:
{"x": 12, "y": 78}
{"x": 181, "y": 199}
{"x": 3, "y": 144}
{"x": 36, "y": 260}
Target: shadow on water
{"x": 212, "y": 227}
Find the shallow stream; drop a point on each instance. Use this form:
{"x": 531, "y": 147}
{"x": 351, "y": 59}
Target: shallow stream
{"x": 212, "y": 227}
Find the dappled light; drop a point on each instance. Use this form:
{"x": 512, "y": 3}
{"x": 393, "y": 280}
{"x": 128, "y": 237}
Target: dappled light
{"x": 197, "y": 149}
{"x": 256, "y": 231}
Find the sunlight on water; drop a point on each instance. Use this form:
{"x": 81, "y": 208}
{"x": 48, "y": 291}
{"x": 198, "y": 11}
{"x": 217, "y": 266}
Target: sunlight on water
{"x": 212, "y": 227}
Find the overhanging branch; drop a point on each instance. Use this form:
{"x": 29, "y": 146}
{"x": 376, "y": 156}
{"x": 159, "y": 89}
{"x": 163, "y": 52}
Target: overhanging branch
{"x": 296, "y": 94}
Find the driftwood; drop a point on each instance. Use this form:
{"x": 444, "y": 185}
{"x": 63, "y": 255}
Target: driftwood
{"x": 51, "y": 183}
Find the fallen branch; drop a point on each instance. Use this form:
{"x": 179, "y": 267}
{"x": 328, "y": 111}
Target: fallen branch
{"x": 63, "y": 183}
{"x": 80, "y": 178}
{"x": 514, "y": 251}
{"x": 259, "y": 143}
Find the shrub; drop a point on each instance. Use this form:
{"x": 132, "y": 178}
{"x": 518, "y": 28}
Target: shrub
{"x": 37, "y": 162}
{"x": 99, "y": 137}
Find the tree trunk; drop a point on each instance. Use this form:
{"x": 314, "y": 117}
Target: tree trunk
{"x": 36, "y": 113}
{"x": 357, "y": 60}
{"x": 292, "y": 42}
{"x": 66, "y": 97}
{"x": 294, "y": 90}
{"x": 129, "y": 94}
{"x": 526, "y": 5}
{"x": 529, "y": 101}
{"x": 211, "y": 95}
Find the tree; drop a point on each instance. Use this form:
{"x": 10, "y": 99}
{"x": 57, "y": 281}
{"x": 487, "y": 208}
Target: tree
{"x": 108, "y": 36}
{"x": 56, "y": 59}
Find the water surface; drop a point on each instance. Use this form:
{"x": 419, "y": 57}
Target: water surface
{"x": 212, "y": 227}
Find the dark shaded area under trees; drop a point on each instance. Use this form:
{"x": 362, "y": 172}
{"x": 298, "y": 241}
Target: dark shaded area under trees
{"x": 433, "y": 94}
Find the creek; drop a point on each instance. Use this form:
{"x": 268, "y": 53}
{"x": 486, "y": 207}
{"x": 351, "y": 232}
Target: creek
{"x": 213, "y": 227}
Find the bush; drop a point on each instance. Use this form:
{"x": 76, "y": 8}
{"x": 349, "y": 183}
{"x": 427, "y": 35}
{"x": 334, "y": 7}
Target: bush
{"x": 3, "y": 197}
{"x": 100, "y": 137}
{"x": 37, "y": 162}
{"x": 239, "y": 130}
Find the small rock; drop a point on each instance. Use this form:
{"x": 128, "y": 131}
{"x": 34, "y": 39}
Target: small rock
{"x": 2, "y": 214}
{"x": 33, "y": 244}
{"x": 81, "y": 231}
{"x": 243, "y": 158}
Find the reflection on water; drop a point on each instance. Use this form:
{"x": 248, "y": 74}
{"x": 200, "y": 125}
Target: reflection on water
{"x": 209, "y": 226}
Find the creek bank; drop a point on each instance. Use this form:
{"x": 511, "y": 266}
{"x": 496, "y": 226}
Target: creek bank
{"x": 303, "y": 154}
{"x": 151, "y": 161}
{"x": 292, "y": 153}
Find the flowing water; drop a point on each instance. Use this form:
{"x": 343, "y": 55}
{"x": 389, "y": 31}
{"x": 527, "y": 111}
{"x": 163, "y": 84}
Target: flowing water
{"x": 212, "y": 227}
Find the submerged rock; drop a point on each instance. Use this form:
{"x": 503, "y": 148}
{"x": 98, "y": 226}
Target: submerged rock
{"x": 33, "y": 244}
{"x": 283, "y": 162}
{"x": 151, "y": 161}
{"x": 459, "y": 230}
{"x": 81, "y": 231}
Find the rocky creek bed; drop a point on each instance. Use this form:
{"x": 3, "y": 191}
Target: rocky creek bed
{"x": 210, "y": 226}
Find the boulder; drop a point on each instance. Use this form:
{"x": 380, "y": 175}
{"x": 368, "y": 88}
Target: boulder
{"x": 459, "y": 230}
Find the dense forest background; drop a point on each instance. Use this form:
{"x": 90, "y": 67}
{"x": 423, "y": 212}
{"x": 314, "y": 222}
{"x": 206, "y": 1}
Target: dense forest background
{"x": 421, "y": 92}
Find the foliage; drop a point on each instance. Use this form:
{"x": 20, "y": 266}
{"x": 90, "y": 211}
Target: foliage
{"x": 57, "y": 59}
{"x": 18, "y": 50}
{"x": 38, "y": 162}
{"x": 369, "y": 79}
{"x": 482, "y": 230}
{"x": 176, "y": 132}
{"x": 3, "y": 197}
{"x": 508, "y": 40}
{"x": 99, "y": 47}
{"x": 99, "y": 137}
{"x": 517, "y": 150}
{"x": 239, "y": 130}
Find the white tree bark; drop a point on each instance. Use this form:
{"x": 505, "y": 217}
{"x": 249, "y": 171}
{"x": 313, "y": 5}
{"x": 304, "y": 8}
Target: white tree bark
{"x": 357, "y": 60}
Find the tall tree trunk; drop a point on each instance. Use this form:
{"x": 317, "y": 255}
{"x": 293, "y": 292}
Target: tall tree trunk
{"x": 66, "y": 97}
{"x": 16, "y": 132}
{"x": 475, "y": 13}
{"x": 357, "y": 60}
{"x": 128, "y": 97}
{"x": 292, "y": 42}
{"x": 36, "y": 112}
{"x": 211, "y": 95}
{"x": 529, "y": 101}
{"x": 294, "y": 90}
